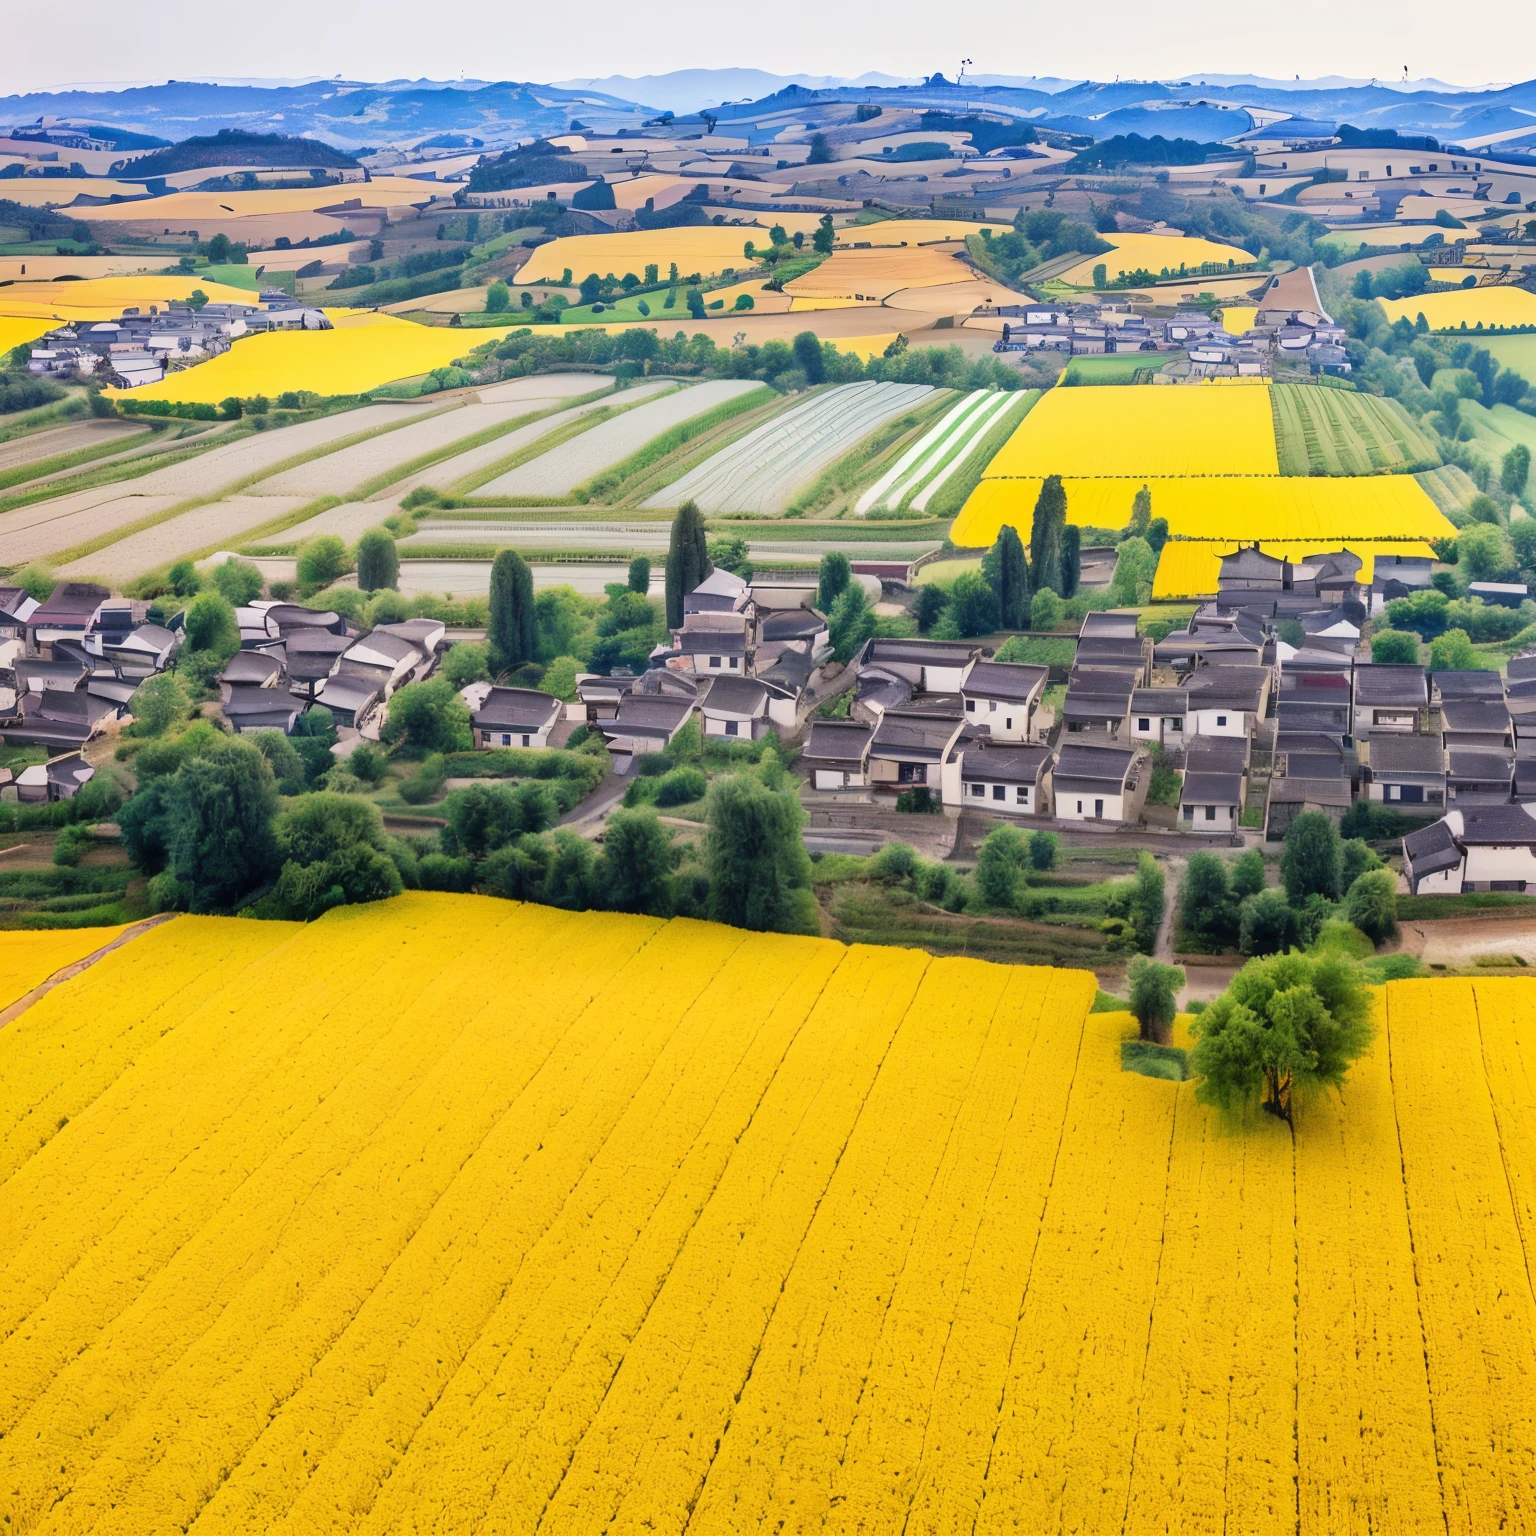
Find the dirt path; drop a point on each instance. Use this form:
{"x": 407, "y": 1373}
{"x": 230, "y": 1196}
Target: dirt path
{"x": 1458, "y": 941}
{"x": 1173, "y": 885}
{"x": 69, "y": 972}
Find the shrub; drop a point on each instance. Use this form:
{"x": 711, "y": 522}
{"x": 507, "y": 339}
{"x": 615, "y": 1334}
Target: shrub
{"x": 681, "y": 786}
{"x": 1372, "y": 905}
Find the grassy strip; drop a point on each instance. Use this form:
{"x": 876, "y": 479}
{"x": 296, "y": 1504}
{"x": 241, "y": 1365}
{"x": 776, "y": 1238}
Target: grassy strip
{"x": 869, "y": 458}
{"x": 608, "y": 484}
{"x": 40, "y": 417}
{"x": 1428, "y": 908}
{"x": 540, "y": 556}
{"x": 90, "y": 547}
{"x": 956, "y": 491}
{"x": 668, "y": 471}
{"x": 41, "y": 469}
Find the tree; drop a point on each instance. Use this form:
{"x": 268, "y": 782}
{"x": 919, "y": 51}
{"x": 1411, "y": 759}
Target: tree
{"x": 821, "y": 150}
{"x": 1483, "y": 552}
{"x": 1209, "y": 911}
{"x": 832, "y": 579}
{"x": 972, "y": 606}
{"x": 1287, "y": 1022}
{"x": 498, "y": 298}
{"x": 1045, "y": 536}
{"x": 851, "y": 623}
{"x": 429, "y": 716}
{"x": 1394, "y": 647}
{"x": 1267, "y": 925}
{"x": 288, "y": 768}
{"x": 1515, "y": 469}
{"x": 1000, "y": 867}
{"x": 809, "y": 356}
{"x": 210, "y": 625}
{"x": 239, "y": 581}
{"x": 1046, "y": 610}
{"x": 512, "y": 633}
{"x": 1452, "y": 652}
{"x": 1154, "y": 997}
{"x": 637, "y": 863}
{"x": 158, "y": 703}
{"x": 484, "y": 817}
{"x": 825, "y": 236}
{"x": 1147, "y": 901}
{"x": 1008, "y": 575}
{"x": 687, "y": 560}
{"x": 1157, "y": 534}
{"x": 1134, "y": 570}
{"x": 466, "y": 663}
{"x": 218, "y": 834}
{"x": 334, "y": 853}
{"x": 1247, "y": 874}
{"x": 640, "y": 575}
{"x": 1355, "y": 857}
{"x": 695, "y": 301}
{"x": 1311, "y": 863}
{"x": 759, "y": 871}
{"x": 378, "y": 562}
{"x": 1071, "y": 559}
{"x": 322, "y": 562}
{"x": 1372, "y": 905}
{"x": 1141, "y": 514}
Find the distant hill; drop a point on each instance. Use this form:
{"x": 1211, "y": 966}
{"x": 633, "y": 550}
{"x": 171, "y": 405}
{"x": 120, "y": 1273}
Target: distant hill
{"x": 232, "y": 146}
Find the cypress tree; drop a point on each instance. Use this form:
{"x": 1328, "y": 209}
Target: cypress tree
{"x": 378, "y": 563}
{"x": 1045, "y": 537}
{"x": 687, "y": 560}
{"x": 513, "y": 634}
{"x": 1071, "y": 559}
{"x": 1005, "y": 568}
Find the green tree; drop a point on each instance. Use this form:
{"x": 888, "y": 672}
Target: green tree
{"x": 1042, "y": 850}
{"x": 928, "y": 606}
{"x": 1294, "y": 1021}
{"x": 1267, "y": 924}
{"x": 559, "y": 680}
{"x": 1247, "y": 874}
{"x": 972, "y": 606}
{"x": 429, "y": 716}
{"x": 484, "y": 817}
{"x": 687, "y": 560}
{"x": 1045, "y": 536}
{"x": 378, "y": 562}
{"x": 825, "y": 237}
{"x": 512, "y": 633}
{"x": 334, "y": 853}
{"x": 1007, "y": 573}
{"x": 1147, "y": 901}
{"x": 637, "y": 863}
{"x": 694, "y": 298}
{"x": 640, "y": 575}
{"x": 1100, "y": 275}
{"x": 466, "y": 663}
{"x": 1046, "y": 610}
{"x": 1154, "y": 997}
{"x": 1355, "y": 857}
{"x": 1372, "y": 904}
{"x": 239, "y": 581}
{"x": 283, "y": 759}
{"x": 1141, "y": 514}
{"x": 759, "y": 872}
{"x": 851, "y": 623}
{"x": 1312, "y": 861}
{"x": 322, "y": 562}
{"x": 1134, "y": 570}
{"x": 158, "y": 703}
{"x": 1483, "y": 552}
{"x": 1394, "y": 647}
{"x": 210, "y": 625}
{"x": 1000, "y": 867}
{"x": 832, "y": 578}
{"x": 1515, "y": 469}
{"x": 1071, "y": 559}
{"x": 1157, "y": 534}
{"x": 810, "y": 356}
{"x": 498, "y": 298}
{"x": 219, "y": 828}
{"x": 1452, "y": 652}
{"x": 1209, "y": 911}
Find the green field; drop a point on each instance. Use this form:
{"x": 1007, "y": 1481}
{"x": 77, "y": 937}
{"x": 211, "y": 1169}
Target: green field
{"x": 1517, "y": 353}
{"x": 1115, "y": 368}
{"x": 1322, "y": 431}
{"x": 1451, "y": 489}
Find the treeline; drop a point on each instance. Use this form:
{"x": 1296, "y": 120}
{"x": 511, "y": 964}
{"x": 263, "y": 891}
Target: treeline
{"x": 1037, "y": 237}
{"x": 1132, "y": 149}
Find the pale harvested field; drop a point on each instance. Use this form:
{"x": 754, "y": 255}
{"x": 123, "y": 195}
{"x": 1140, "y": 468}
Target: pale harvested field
{"x": 876, "y": 274}
{"x": 349, "y": 521}
{"x": 457, "y": 301}
{"x": 339, "y": 473}
{"x": 52, "y": 268}
{"x": 950, "y": 298}
{"x": 562, "y": 469}
{"x": 44, "y": 529}
{"x": 36, "y": 446}
{"x": 174, "y": 207}
{"x": 221, "y": 522}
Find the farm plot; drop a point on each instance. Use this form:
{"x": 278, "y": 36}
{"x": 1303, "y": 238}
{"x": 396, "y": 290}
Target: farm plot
{"x": 218, "y": 525}
{"x": 1161, "y": 255}
{"x": 1338, "y": 432}
{"x": 762, "y": 471}
{"x": 346, "y": 470}
{"x": 707, "y": 250}
{"x": 872, "y": 276}
{"x": 944, "y": 444}
{"x": 1450, "y": 487}
{"x": 78, "y": 437}
{"x": 559, "y": 471}
{"x": 1467, "y": 308}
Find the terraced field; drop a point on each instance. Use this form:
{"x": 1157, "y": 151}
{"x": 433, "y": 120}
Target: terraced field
{"x": 762, "y": 471}
{"x": 934, "y": 457}
{"x": 1450, "y": 487}
{"x": 711, "y": 1231}
{"x": 1340, "y": 432}
{"x": 559, "y": 471}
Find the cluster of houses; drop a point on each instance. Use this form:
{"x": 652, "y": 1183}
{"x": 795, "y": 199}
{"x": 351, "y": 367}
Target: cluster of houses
{"x": 1290, "y": 323}
{"x": 141, "y": 345}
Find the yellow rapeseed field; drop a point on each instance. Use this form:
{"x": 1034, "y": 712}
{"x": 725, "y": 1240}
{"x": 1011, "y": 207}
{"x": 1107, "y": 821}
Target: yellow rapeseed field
{"x": 1192, "y": 568}
{"x": 457, "y": 1215}
{"x": 1488, "y": 307}
{"x": 29, "y": 959}
{"x": 17, "y": 331}
{"x": 706, "y": 249}
{"x": 359, "y": 354}
{"x": 105, "y": 298}
{"x": 1108, "y": 430}
{"x": 1133, "y": 253}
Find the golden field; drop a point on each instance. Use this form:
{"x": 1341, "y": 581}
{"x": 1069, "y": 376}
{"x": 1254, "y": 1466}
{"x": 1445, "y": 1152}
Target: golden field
{"x": 358, "y": 355}
{"x": 706, "y": 249}
{"x": 1133, "y": 252}
{"x": 874, "y": 275}
{"x": 914, "y": 231}
{"x": 1109, "y": 430}
{"x": 17, "y": 331}
{"x": 382, "y": 191}
{"x": 1191, "y": 569}
{"x": 696, "y": 1229}
{"x": 1488, "y": 307}
{"x": 105, "y": 298}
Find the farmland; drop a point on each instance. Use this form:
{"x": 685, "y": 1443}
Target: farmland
{"x": 317, "y": 1256}
{"x": 105, "y": 298}
{"x": 1157, "y": 254}
{"x": 947, "y": 442}
{"x": 1340, "y": 432}
{"x": 1467, "y": 308}
{"x": 762, "y": 471}
{"x": 705, "y": 250}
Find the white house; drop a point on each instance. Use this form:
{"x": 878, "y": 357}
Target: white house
{"x": 1158, "y": 714}
{"x": 1211, "y": 802}
{"x": 936, "y": 666}
{"x": 1004, "y": 696}
{"x": 1012, "y": 780}
{"x": 1226, "y": 701}
{"x": 1101, "y": 783}
{"x": 837, "y": 754}
{"x": 735, "y": 708}
{"x": 1479, "y": 848}
{"x": 511, "y": 717}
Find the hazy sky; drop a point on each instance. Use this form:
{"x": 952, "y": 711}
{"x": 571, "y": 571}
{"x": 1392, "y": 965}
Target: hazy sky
{"x": 110, "y": 40}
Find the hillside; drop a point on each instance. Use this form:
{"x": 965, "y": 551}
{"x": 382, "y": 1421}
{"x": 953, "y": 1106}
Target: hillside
{"x": 697, "y": 1227}
{"x": 232, "y": 146}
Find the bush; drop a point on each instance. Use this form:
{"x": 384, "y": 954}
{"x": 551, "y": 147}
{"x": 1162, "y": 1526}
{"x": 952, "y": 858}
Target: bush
{"x": 894, "y": 863}
{"x": 378, "y": 563}
{"x": 438, "y": 872}
{"x": 322, "y": 561}
{"x": 1268, "y": 925}
{"x": 1000, "y": 867}
{"x": 681, "y": 786}
{"x": 1372, "y": 905}
{"x": 1042, "y": 850}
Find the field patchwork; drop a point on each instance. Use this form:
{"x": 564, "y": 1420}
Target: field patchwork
{"x": 702, "y": 1229}
{"x": 1341, "y": 432}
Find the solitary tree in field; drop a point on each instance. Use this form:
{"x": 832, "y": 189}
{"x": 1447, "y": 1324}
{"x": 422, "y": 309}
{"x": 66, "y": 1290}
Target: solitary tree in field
{"x": 687, "y": 560}
{"x": 825, "y": 235}
{"x": 1287, "y": 1022}
{"x": 1008, "y": 573}
{"x": 1141, "y": 514}
{"x": 1154, "y": 997}
{"x": 512, "y": 632}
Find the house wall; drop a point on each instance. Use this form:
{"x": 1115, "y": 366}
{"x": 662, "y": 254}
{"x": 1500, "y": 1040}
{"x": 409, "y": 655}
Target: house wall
{"x": 1444, "y": 882}
{"x": 1007, "y": 719}
{"x": 831, "y": 778}
{"x": 945, "y": 679}
{"x": 1014, "y": 799}
{"x": 1486, "y": 866}
{"x": 1219, "y": 722}
{"x": 1400, "y": 792}
{"x": 498, "y": 738}
{"x": 783, "y": 712}
{"x": 1371, "y": 721}
{"x": 1209, "y": 820}
{"x": 705, "y": 665}
{"x": 720, "y": 726}
{"x": 1159, "y": 729}
{"x": 1072, "y": 806}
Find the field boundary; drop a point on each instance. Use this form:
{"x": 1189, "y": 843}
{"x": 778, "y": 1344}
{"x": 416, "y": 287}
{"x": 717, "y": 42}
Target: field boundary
{"x": 75, "y": 967}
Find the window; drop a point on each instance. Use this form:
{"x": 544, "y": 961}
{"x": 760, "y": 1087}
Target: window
{"x": 506, "y": 739}
{"x": 714, "y": 661}
{"x": 1221, "y": 720}
{"x": 735, "y": 663}
{"x": 1021, "y": 794}
{"x": 1411, "y": 794}
{"x": 732, "y": 728}
{"x": 1143, "y": 725}
{"x": 999, "y": 791}
{"x": 527, "y": 740}
{"x": 991, "y": 706}
{"x": 1210, "y": 813}
{"x": 1008, "y": 723}
{"x": 1506, "y": 885}
{"x": 1079, "y": 807}
{"x": 912, "y": 773}
{"x": 1098, "y": 807}
{"x": 979, "y": 791}
{"x": 1176, "y": 723}
{"x": 847, "y": 780}
{"x": 970, "y": 706}
{"x": 1189, "y": 813}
